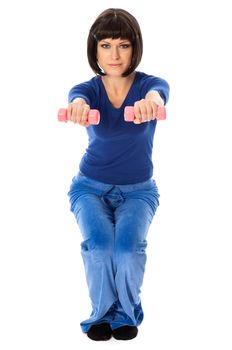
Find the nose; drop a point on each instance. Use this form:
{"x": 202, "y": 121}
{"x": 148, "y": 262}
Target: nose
{"x": 115, "y": 53}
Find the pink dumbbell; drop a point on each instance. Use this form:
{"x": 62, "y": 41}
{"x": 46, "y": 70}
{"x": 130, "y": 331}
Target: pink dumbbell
{"x": 93, "y": 116}
{"x": 129, "y": 113}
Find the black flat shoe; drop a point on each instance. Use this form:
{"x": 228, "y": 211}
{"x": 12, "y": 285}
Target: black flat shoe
{"x": 125, "y": 332}
{"x": 100, "y": 331}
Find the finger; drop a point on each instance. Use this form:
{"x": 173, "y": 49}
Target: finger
{"x": 78, "y": 115}
{"x": 137, "y": 121}
{"x": 154, "y": 112}
{"x": 72, "y": 113}
{"x": 84, "y": 123}
{"x": 69, "y": 112}
{"x": 74, "y": 117}
{"x": 137, "y": 112}
{"x": 85, "y": 112}
{"x": 150, "y": 112}
{"x": 143, "y": 113}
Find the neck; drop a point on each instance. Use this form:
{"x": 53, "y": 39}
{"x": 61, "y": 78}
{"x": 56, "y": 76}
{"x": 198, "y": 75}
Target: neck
{"x": 118, "y": 84}
{"x": 117, "y": 88}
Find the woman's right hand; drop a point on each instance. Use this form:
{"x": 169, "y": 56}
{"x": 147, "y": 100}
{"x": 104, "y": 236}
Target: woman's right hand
{"x": 78, "y": 112}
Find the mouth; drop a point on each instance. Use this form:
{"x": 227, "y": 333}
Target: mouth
{"x": 115, "y": 65}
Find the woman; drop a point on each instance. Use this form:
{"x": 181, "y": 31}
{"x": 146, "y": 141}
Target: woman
{"x": 113, "y": 196}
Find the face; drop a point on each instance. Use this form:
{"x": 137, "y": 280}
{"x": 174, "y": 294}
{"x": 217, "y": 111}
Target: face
{"x": 114, "y": 56}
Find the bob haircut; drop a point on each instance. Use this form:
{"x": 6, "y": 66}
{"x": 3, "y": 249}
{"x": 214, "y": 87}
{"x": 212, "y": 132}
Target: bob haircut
{"x": 115, "y": 23}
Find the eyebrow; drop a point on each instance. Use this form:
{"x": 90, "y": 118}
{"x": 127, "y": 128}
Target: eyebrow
{"x": 121, "y": 42}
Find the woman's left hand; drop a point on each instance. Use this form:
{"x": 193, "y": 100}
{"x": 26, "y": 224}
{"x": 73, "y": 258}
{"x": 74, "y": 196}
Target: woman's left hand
{"x": 145, "y": 110}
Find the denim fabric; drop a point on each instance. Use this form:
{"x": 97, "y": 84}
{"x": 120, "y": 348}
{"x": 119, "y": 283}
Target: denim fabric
{"x": 114, "y": 221}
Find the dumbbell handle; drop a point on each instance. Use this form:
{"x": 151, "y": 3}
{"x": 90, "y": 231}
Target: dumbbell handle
{"x": 93, "y": 116}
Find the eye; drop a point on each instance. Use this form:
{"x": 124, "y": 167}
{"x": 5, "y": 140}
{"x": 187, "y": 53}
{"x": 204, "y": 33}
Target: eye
{"x": 105, "y": 46}
{"x": 125, "y": 46}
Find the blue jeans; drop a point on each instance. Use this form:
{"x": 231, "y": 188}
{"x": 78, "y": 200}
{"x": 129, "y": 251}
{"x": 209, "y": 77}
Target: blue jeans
{"x": 114, "y": 221}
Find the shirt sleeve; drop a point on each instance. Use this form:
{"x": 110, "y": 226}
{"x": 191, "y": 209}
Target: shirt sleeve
{"x": 150, "y": 83}
{"x": 84, "y": 90}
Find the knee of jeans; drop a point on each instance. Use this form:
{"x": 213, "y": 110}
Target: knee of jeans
{"x": 96, "y": 246}
{"x": 127, "y": 247}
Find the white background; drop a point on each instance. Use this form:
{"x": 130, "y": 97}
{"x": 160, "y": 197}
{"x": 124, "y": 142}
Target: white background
{"x": 187, "y": 288}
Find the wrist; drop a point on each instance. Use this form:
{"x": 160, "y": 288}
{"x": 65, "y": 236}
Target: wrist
{"x": 155, "y": 97}
{"x": 78, "y": 99}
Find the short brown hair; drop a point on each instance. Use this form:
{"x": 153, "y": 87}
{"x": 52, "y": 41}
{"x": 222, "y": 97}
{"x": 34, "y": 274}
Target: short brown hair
{"x": 115, "y": 23}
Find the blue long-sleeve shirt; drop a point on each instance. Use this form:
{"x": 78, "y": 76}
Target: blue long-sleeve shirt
{"x": 119, "y": 152}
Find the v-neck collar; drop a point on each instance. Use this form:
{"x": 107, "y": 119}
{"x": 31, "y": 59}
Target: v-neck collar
{"x": 128, "y": 94}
